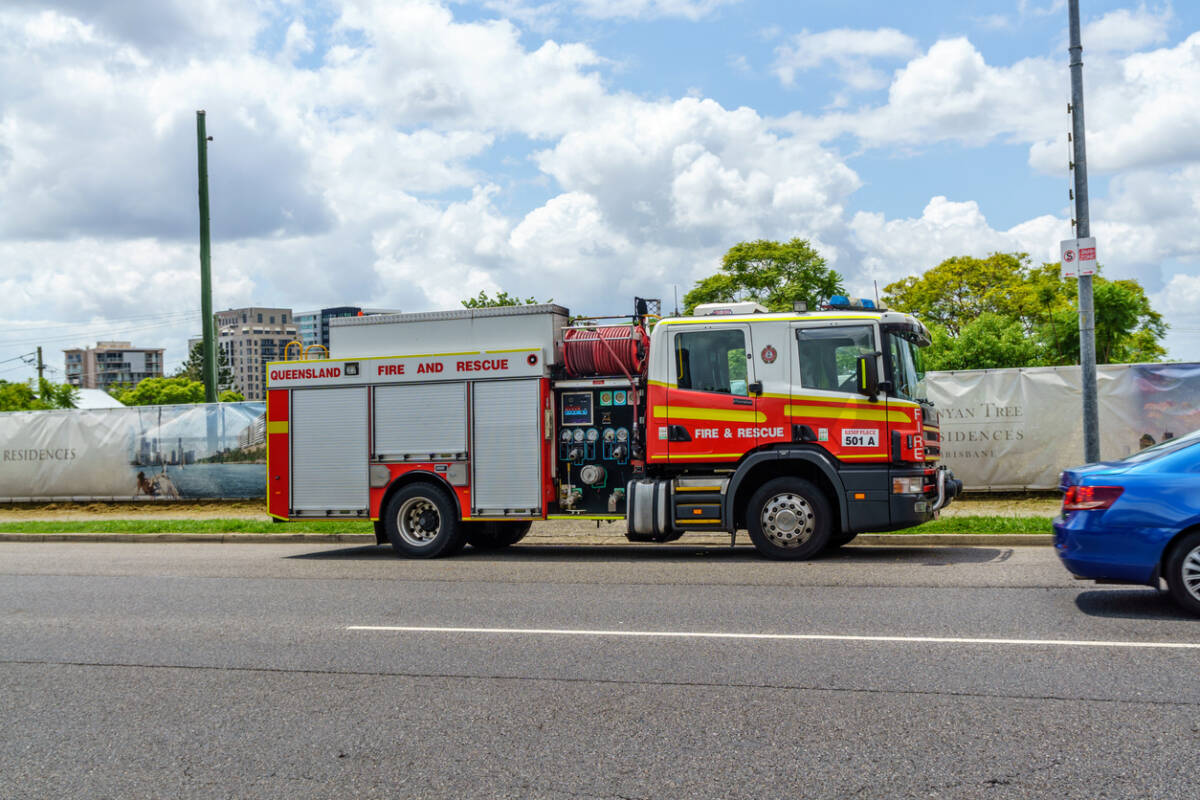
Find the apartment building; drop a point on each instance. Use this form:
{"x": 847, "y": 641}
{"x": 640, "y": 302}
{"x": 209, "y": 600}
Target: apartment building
{"x": 110, "y": 363}
{"x": 314, "y": 325}
{"x": 252, "y": 338}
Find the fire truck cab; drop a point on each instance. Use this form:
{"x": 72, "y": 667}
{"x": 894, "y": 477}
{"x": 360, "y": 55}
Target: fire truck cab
{"x": 462, "y": 427}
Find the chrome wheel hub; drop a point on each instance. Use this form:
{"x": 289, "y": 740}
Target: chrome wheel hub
{"x": 788, "y": 520}
{"x": 418, "y": 521}
{"x": 1191, "y": 573}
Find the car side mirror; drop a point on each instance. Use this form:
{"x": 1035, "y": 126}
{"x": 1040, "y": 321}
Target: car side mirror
{"x": 868, "y": 375}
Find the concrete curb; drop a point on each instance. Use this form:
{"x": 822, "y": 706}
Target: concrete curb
{"x": 360, "y": 539}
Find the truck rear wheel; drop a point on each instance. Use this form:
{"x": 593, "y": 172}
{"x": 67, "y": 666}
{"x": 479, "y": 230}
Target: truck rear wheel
{"x": 422, "y": 522}
{"x": 495, "y": 535}
{"x": 788, "y": 518}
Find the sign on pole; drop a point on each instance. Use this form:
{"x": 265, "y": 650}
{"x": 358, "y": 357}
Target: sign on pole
{"x": 1078, "y": 257}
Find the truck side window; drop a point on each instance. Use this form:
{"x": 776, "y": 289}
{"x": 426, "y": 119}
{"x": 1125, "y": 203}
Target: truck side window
{"x": 827, "y": 355}
{"x": 711, "y": 361}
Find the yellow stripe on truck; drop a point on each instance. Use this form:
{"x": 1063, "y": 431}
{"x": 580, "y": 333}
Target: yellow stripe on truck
{"x": 277, "y": 426}
{"x": 709, "y": 414}
{"x": 846, "y": 413}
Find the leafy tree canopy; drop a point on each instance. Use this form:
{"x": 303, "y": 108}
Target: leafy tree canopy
{"x": 775, "y": 274}
{"x": 160, "y": 392}
{"x": 21, "y": 396}
{"x": 484, "y": 300}
{"x": 1001, "y": 311}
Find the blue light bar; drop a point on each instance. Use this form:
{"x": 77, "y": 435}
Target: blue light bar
{"x": 841, "y": 302}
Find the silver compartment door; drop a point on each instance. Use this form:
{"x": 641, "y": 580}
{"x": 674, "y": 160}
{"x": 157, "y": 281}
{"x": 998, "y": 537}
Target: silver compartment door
{"x": 505, "y": 448}
{"x": 418, "y": 421}
{"x": 329, "y": 450}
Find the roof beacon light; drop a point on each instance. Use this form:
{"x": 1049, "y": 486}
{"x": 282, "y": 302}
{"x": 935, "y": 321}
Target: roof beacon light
{"x": 841, "y": 302}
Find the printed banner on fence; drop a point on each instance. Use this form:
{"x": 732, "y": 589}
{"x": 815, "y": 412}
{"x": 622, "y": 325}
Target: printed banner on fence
{"x": 1017, "y": 429}
{"x": 142, "y": 452}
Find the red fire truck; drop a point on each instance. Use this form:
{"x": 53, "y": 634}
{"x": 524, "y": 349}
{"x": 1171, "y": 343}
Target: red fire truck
{"x": 462, "y": 427}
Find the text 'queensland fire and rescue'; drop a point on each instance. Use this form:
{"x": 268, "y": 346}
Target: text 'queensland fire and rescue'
{"x": 471, "y": 365}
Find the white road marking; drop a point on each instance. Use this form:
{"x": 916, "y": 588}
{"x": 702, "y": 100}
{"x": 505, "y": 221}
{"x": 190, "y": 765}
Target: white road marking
{"x": 830, "y": 637}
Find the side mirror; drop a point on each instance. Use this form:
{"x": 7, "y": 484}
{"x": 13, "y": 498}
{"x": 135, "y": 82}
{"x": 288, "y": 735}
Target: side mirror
{"x": 868, "y": 375}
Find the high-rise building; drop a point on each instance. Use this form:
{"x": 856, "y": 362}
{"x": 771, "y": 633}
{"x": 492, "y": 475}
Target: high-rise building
{"x": 110, "y": 363}
{"x": 314, "y": 325}
{"x": 252, "y": 338}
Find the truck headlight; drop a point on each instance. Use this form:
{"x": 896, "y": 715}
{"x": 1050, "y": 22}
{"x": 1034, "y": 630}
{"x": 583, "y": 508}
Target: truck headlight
{"x": 908, "y": 485}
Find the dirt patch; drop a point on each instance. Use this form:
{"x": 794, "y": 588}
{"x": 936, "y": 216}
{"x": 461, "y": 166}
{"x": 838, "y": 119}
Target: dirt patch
{"x": 232, "y": 509}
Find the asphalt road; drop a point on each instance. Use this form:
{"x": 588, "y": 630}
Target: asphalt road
{"x": 295, "y": 671}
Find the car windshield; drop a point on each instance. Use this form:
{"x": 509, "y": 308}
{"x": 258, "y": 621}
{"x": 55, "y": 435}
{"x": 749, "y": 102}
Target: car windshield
{"x": 906, "y": 366}
{"x": 1164, "y": 447}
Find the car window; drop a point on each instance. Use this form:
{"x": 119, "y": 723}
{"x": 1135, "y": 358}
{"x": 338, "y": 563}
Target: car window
{"x": 828, "y": 356}
{"x": 711, "y": 361}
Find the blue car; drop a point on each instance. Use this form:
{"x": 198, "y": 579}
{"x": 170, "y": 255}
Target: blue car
{"x": 1136, "y": 520}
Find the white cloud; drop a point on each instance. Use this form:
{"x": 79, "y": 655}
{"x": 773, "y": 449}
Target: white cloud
{"x": 370, "y": 176}
{"x": 1126, "y": 29}
{"x": 895, "y": 248}
{"x": 852, "y": 51}
{"x": 649, "y": 9}
{"x": 545, "y": 15}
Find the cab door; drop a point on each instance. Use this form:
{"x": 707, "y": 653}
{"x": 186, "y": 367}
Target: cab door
{"x": 710, "y": 411}
{"x": 826, "y": 407}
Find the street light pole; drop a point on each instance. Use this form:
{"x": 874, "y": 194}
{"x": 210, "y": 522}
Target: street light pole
{"x": 1087, "y": 316}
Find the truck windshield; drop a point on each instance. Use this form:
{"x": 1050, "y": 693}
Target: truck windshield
{"x": 906, "y": 367}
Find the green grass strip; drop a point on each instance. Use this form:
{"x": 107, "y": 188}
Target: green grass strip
{"x": 982, "y": 525}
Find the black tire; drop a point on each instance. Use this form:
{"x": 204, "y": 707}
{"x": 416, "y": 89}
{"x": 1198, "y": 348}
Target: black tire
{"x": 422, "y": 521}
{"x": 838, "y": 539}
{"x": 496, "y": 535}
{"x": 788, "y": 519}
{"x": 1183, "y": 572}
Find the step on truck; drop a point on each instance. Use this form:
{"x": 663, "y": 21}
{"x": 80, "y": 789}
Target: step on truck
{"x": 463, "y": 427}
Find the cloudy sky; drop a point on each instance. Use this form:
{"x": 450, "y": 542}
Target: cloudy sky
{"x": 410, "y": 153}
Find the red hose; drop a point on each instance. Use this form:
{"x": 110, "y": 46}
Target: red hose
{"x": 614, "y": 350}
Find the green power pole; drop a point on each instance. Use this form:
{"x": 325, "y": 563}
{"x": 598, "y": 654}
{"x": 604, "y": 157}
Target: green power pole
{"x": 209, "y": 347}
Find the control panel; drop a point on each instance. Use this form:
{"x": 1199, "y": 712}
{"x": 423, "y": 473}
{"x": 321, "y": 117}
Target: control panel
{"x": 595, "y": 426}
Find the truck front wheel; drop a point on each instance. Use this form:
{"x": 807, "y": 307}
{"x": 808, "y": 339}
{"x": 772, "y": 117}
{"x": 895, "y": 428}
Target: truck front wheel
{"x": 788, "y": 518}
{"x": 421, "y": 522}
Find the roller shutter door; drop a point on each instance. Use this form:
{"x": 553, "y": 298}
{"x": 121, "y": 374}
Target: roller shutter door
{"x": 505, "y": 452}
{"x": 329, "y": 450}
{"x": 416, "y": 422}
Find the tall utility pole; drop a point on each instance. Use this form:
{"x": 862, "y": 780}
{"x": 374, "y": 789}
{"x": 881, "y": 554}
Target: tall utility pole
{"x": 1083, "y": 229}
{"x": 209, "y": 347}
{"x": 41, "y": 366}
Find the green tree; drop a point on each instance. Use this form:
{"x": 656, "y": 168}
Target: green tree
{"x": 1001, "y": 311}
{"x": 483, "y": 300}
{"x": 193, "y": 368}
{"x": 775, "y": 274}
{"x": 21, "y": 397}
{"x": 230, "y": 396}
{"x": 160, "y": 392}
{"x": 992, "y": 341}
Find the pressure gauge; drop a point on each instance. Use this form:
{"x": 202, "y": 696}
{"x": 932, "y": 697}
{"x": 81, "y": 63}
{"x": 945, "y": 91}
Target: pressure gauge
{"x": 578, "y": 434}
{"x": 565, "y": 435}
{"x": 592, "y": 434}
{"x": 622, "y": 435}
{"x": 610, "y": 435}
